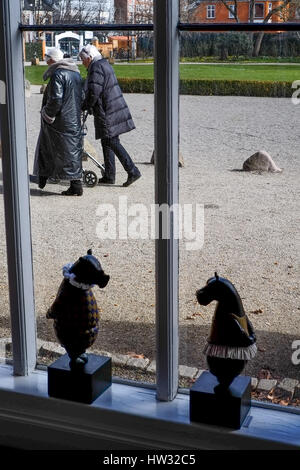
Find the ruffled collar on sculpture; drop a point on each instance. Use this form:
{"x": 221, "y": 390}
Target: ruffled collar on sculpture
{"x": 72, "y": 278}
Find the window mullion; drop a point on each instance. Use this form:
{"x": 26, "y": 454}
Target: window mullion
{"x": 166, "y": 192}
{"x": 16, "y": 189}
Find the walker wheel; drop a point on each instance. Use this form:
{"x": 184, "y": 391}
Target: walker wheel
{"x": 90, "y": 178}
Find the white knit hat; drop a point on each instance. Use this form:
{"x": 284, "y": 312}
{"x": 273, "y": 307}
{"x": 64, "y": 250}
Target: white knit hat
{"x": 54, "y": 53}
{"x": 89, "y": 51}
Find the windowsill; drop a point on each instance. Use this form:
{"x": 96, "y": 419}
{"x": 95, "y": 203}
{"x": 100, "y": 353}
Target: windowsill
{"x": 128, "y": 417}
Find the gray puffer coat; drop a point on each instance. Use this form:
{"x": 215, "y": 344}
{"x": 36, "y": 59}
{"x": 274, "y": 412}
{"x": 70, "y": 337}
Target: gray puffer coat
{"x": 105, "y": 100}
{"x": 59, "y": 148}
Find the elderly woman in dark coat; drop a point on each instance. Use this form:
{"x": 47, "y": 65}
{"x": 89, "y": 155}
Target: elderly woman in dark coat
{"x": 59, "y": 148}
{"x": 104, "y": 99}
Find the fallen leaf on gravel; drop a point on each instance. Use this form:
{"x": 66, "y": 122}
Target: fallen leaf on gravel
{"x": 259, "y": 310}
{"x": 260, "y": 349}
{"x": 192, "y": 317}
{"x": 135, "y": 355}
{"x": 284, "y": 402}
{"x": 264, "y": 374}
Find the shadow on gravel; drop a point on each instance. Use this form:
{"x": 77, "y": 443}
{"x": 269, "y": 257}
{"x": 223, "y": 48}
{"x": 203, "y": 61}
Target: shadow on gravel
{"x": 121, "y": 337}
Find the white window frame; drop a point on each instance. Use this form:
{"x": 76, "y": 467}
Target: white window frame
{"x": 125, "y": 416}
{"x": 230, "y": 14}
{"x": 270, "y": 8}
{"x": 210, "y": 12}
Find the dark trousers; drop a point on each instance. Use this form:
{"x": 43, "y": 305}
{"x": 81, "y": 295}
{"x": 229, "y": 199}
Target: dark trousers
{"x": 111, "y": 147}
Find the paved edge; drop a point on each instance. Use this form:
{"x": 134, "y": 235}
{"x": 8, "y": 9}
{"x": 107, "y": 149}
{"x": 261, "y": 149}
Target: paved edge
{"x": 286, "y": 389}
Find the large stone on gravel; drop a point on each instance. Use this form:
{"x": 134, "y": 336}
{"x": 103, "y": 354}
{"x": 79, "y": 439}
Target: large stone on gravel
{"x": 286, "y": 388}
{"x": 261, "y": 161}
{"x": 187, "y": 372}
{"x": 266, "y": 385}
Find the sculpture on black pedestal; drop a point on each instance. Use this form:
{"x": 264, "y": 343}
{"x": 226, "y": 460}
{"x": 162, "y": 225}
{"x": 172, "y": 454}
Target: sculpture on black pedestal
{"x": 232, "y": 339}
{"x": 75, "y": 310}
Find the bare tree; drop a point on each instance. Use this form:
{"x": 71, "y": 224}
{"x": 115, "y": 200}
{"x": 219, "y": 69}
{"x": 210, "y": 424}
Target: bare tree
{"x": 280, "y": 11}
{"x": 232, "y": 9}
{"x": 142, "y": 11}
{"x": 186, "y": 8}
{"x": 74, "y": 11}
{"x": 100, "y": 8}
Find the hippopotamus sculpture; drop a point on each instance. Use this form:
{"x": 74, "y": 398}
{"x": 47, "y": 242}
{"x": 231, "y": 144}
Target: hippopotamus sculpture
{"x": 74, "y": 310}
{"x": 232, "y": 339}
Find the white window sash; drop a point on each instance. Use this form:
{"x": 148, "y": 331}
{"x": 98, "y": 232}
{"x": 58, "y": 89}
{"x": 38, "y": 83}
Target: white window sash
{"x": 16, "y": 193}
{"x": 16, "y": 190}
{"x": 166, "y": 107}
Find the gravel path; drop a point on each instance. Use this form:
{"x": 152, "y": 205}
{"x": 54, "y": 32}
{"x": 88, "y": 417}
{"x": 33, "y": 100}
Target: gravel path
{"x": 251, "y": 229}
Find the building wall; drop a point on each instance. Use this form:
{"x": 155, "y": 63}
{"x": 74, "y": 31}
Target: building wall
{"x": 200, "y": 14}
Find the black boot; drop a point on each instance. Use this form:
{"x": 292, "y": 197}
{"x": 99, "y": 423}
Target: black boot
{"x": 132, "y": 178}
{"x": 42, "y": 181}
{"x": 75, "y": 189}
{"x": 105, "y": 180}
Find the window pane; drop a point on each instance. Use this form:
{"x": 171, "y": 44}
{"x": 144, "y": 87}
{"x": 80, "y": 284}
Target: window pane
{"x": 228, "y": 112}
{"x": 259, "y": 10}
{"x": 116, "y": 222}
{"x": 5, "y": 330}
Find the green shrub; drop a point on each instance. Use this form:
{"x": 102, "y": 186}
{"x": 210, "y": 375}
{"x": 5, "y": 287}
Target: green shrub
{"x": 214, "y": 87}
{"x": 235, "y": 88}
{"x": 33, "y": 49}
{"x": 136, "y": 85}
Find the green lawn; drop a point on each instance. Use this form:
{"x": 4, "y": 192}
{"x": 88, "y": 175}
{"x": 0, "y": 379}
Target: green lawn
{"x": 209, "y": 72}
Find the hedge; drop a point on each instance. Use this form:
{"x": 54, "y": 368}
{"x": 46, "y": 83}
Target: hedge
{"x": 33, "y": 49}
{"x": 214, "y": 87}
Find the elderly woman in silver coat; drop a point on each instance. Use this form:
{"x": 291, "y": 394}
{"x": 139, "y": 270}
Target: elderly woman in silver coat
{"x": 59, "y": 149}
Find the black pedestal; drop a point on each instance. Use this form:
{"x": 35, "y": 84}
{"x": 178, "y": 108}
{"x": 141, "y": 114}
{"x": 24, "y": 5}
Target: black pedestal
{"x": 210, "y": 408}
{"x": 83, "y": 384}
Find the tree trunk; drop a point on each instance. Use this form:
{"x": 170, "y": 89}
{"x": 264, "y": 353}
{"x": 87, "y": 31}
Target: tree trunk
{"x": 258, "y": 44}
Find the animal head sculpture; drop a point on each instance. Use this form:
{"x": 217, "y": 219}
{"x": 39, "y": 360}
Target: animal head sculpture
{"x": 74, "y": 311}
{"x": 222, "y": 290}
{"x": 88, "y": 270}
{"x": 232, "y": 339}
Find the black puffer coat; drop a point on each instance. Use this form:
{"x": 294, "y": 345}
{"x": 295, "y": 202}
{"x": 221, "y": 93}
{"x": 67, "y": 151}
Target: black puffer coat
{"x": 59, "y": 148}
{"x": 105, "y": 99}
